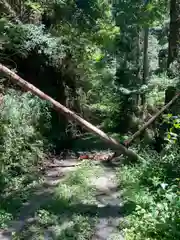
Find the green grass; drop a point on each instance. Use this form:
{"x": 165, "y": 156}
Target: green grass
{"x": 151, "y": 188}
{"x": 70, "y": 213}
{"x": 13, "y": 199}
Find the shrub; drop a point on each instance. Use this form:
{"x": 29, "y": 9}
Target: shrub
{"x": 22, "y": 142}
{"x": 153, "y": 186}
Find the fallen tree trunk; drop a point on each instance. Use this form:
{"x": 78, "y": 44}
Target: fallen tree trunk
{"x": 135, "y": 135}
{"x": 70, "y": 115}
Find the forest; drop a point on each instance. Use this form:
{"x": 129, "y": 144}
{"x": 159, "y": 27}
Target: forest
{"x": 89, "y": 119}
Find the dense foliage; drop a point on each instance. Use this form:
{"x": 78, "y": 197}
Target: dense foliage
{"x": 23, "y": 120}
{"x": 152, "y": 187}
{"x": 22, "y": 143}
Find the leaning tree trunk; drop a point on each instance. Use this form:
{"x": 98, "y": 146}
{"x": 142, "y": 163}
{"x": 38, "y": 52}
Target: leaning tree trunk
{"x": 135, "y": 135}
{"x": 70, "y": 115}
{"x": 174, "y": 31}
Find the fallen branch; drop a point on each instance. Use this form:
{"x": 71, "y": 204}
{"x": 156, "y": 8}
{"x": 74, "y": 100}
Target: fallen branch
{"x": 135, "y": 135}
{"x": 70, "y": 115}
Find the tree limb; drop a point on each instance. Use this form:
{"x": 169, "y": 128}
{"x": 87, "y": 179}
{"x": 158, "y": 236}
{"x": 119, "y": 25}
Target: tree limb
{"x": 128, "y": 142}
{"x": 70, "y": 115}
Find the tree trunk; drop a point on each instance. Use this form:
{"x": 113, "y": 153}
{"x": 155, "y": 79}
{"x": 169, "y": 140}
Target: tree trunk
{"x": 129, "y": 141}
{"x": 174, "y": 31}
{"x": 145, "y": 63}
{"x": 70, "y": 115}
{"x": 138, "y": 63}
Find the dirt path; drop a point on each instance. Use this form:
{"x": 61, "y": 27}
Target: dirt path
{"x": 55, "y": 173}
{"x": 107, "y": 198}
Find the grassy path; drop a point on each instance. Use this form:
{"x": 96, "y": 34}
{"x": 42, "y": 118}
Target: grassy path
{"x": 74, "y": 202}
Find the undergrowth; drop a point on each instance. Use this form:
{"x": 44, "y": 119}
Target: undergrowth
{"x": 23, "y": 120}
{"x": 71, "y": 211}
{"x": 152, "y": 188}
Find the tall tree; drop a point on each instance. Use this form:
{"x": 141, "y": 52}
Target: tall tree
{"x": 129, "y": 58}
{"x": 174, "y": 31}
{"x": 145, "y": 57}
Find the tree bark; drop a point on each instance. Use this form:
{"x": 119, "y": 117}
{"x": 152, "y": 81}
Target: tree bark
{"x": 138, "y": 62}
{"x": 70, "y": 115}
{"x": 145, "y": 63}
{"x": 174, "y": 31}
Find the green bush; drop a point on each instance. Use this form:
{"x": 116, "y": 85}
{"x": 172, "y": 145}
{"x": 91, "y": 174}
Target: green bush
{"x": 22, "y": 142}
{"x": 153, "y": 187}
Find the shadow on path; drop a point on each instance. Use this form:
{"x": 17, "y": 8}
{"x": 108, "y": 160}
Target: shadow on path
{"x": 108, "y": 208}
